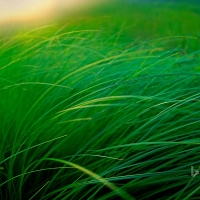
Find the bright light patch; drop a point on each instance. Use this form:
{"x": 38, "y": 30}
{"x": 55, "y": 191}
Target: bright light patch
{"x": 26, "y": 10}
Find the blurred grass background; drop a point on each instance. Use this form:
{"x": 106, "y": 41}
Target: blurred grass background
{"x": 131, "y": 22}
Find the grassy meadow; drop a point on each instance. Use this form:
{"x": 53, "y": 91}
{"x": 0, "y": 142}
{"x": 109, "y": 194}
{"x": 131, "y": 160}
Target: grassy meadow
{"x": 104, "y": 106}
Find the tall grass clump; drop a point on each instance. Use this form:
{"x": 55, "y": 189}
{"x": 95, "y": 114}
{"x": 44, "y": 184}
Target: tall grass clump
{"x": 84, "y": 118}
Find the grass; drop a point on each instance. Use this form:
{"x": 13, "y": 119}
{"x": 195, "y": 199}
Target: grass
{"x": 90, "y": 113}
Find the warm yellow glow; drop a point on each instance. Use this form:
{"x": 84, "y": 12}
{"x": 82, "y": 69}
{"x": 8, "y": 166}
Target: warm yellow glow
{"x": 36, "y": 10}
{"x": 22, "y": 9}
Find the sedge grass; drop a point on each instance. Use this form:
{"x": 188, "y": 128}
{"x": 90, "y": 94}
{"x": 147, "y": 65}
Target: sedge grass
{"x": 83, "y": 117}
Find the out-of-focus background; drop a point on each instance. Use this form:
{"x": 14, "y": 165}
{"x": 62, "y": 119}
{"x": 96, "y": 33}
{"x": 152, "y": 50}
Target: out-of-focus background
{"x": 28, "y": 11}
{"x": 39, "y": 10}
{"x": 131, "y": 20}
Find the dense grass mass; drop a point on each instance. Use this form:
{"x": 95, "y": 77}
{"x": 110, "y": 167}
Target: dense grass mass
{"x": 93, "y": 113}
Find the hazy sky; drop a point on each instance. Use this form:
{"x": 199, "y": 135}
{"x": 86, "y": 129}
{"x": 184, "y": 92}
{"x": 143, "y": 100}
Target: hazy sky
{"x": 12, "y": 7}
{"x": 33, "y": 9}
